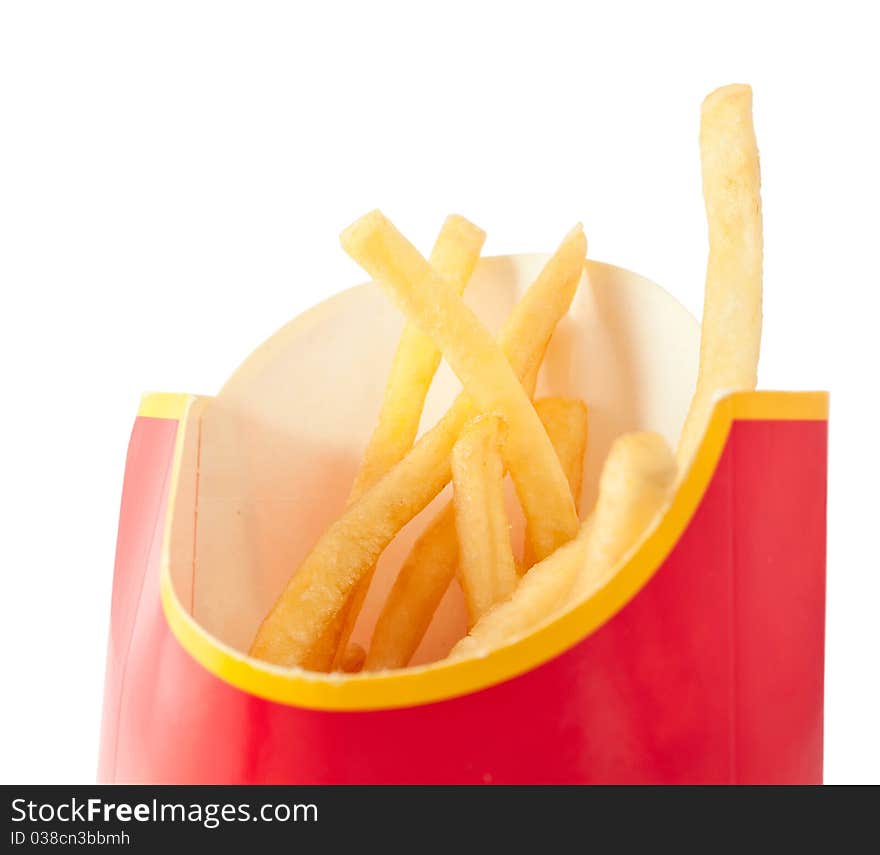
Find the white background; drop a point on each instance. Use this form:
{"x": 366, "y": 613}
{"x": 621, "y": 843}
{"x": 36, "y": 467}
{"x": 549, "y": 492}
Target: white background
{"x": 173, "y": 178}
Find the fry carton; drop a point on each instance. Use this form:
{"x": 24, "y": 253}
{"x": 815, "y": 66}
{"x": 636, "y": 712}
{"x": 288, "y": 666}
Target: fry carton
{"x": 699, "y": 661}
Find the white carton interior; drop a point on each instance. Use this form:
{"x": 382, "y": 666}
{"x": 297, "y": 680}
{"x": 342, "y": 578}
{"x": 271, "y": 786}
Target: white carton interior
{"x": 268, "y": 463}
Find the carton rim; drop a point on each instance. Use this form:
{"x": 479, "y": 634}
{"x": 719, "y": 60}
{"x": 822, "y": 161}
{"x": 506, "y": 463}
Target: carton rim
{"x": 444, "y": 680}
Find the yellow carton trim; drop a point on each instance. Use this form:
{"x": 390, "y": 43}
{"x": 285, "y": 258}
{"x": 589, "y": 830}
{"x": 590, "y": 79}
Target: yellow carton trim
{"x": 441, "y": 680}
{"x": 164, "y": 405}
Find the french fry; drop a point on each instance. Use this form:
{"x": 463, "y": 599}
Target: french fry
{"x": 636, "y": 481}
{"x": 481, "y": 366}
{"x": 352, "y": 545}
{"x": 353, "y": 659}
{"x": 565, "y": 420}
{"x": 415, "y": 595}
{"x": 427, "y": 571}
{"x": 530, "y": 380}
{"x": 454, "y": 256}
{"x": 541, "y": 591}
{"x": 486, "y": 567}
{"x": 731, "y": 335}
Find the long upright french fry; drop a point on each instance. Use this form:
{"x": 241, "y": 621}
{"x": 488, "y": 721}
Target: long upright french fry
{"x": 454, "y": 256}
{"x": 486, "y": 566}
{"x": 481, "y": 366}
{"x": 430, "y": 566}
{"x": 352, "y": 545}
{"x": 565, "y": 420}
{"x": 636, "y": 481}
{"x": 731, "y": 336}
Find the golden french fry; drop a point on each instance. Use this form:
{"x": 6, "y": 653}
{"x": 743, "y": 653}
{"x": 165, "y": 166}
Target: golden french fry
{"x": 635, "y": 485}
{"x": 353, "y": 659}
{"x": 565, "y": 420}
{"x": 731, "y": 335}
{"x": 353, "y": 544}
{"x": 481, "y": 366}
{"x": 415, "y": 595}
{"x": 636, "y": 481}
{"x": 487, "y": 571}
{"x": 454, "y": 256}
{"x": 424, "y": 578}
{"x": 541, "y": 591}
{"x": 530, "y": 380}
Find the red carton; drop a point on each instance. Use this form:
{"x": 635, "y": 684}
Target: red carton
{"x": 701, "y": 661}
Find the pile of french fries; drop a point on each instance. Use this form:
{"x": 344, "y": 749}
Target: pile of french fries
{"x": 495, "y": 428}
